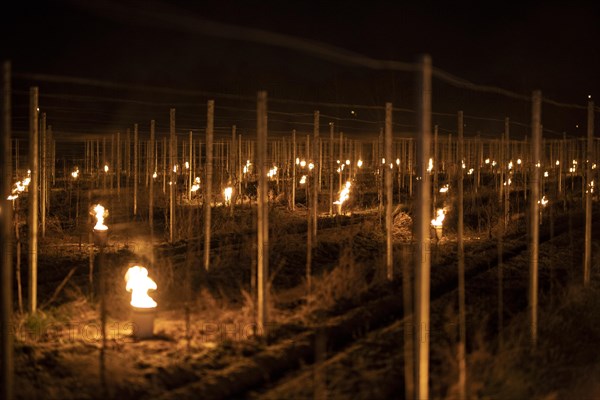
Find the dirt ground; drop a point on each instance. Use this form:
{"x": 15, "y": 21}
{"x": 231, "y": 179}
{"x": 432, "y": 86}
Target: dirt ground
{"x": 346, "y": 340}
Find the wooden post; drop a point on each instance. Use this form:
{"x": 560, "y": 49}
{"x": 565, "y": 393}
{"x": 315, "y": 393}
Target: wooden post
{"x": 151, "y": 190}
{"x": 331, "y": 129}
{"x": 587, "y": 259}
{"x": 210, "y": 118}
{"x": 135, "y": 168}
{"x": 172, "y": 162}
{"x": 462, "y": 325}
{"x": 315, "y": 186}
{"x": 6, "y": 242}
{"x": 263, "y": 215}
{"x": 389, "y": 193}
{"x": 191, "y": 168}
{"x": 44, "y": 177}
{"x": 33, "y": 197}
{"x": 435, "y": 169}
{"x": 294, "y": 155}
{"x": 422, "y": 221}
{"x": 534, "y": 212}
{"x": 118, "y": 169}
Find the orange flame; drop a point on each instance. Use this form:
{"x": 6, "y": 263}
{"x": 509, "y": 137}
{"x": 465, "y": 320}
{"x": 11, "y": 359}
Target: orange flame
{"x": 138, "y": 283}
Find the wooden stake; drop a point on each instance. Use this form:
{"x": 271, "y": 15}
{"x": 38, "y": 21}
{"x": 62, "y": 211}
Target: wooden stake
{"x": 6, "y": 242}
{"x": 462, "y": 325}
{"x": 33, "y": 197}
{"x": 422, "y": 221}
{"x": 587, "y": 259}
{"x": 263, "y": 215}
{"x": 534, "y": 213}
{"x": 210, "y": 118}
{"x": 389, "y": 194}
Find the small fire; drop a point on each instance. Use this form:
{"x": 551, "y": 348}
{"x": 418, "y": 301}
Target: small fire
{"x": 105, "y": 168}
{"x": 100, "y": 213}
{"x": 154, "y": 175}
{"x": 430, "y": 165}
{"x": 75, "y": 173}
{"x": 187, "y": 165}
{"x": 302, "y": 163}
{"x": 444, "y": 188}
{"x": 438, "y": 221}
{"x": 303, "y": 180}
{"x": 359, "y": 163}
{"x": 138, "y": 283}
{"x": 397, "y": 161}
{"x": 543, "y": 201}
{"x": 347, "y": 162}
{"x": 227, "y": 195}
{"x": 272, "y": 172}
{"x": 344, "y": 194}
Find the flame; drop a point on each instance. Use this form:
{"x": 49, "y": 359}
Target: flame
{"x": 187, "y": 165}
{"x": 543, "y": 201}
{"x": 303, "y": 180}
{"x": 444, "y": 188}
{"x": 100, "y": 213}
{"x": 227, "y": 194}
{"x": 344, "y": 194}
{"x": 347, "y": 162}
{"x": 138, "y": 283}
{"x": 430, "y": 165}
{"x": 105, "y": 168}
{"x": 438, "y": 221}
{"x": 303, "y": 163}
{"x": 154, "y": 175}
{"x": 359, "y": 163}
{"x": 272, "y": 172}
{"x": 75, "y": 173}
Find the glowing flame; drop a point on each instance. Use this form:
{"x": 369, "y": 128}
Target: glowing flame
{"x": 543, "y": 201}
{"x": 430, "y": 165}
{"x": 470, "y": 171}
{"x": 187, "y": 165}
{"x": 154, "y": 175}
{"x": 105, "y": 168}
{"x": 272, "y": 172}
{"x": 138, "y": 283}
{"x": 438, "y": 221}
{"x": 397, "y": 161}
{"x": 347, "y": 162}
{"x": 303, "y": 163}
{"x": 75, "y": 173}
{"x": 195, "y": 187}
{"x": 303, "y": 180}
{"x": 545, "y": 174}
{"x": 519, "y": 161}
{"x": 444, "y": 188}
{"x": 100, "y": 212}
{"x": 487, "y": 160}
{"x": 311, "y": 166}
{"x": 344, "y": 194}
{"x": 359, "y": 163}
{"x": 510, "y": 165}
{"x": 227, "y": 194}
{"x": 557, "y": 162}
{"x": 297, "y": 161}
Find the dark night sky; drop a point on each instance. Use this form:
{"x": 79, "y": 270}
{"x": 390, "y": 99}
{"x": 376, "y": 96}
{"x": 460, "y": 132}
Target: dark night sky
{"x": 552, "y": 46}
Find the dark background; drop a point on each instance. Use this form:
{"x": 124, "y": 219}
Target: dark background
{"x": 137, "y": 46}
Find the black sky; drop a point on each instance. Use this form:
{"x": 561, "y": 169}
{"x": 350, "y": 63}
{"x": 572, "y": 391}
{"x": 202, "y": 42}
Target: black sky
{"x": 552, "y": 46}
